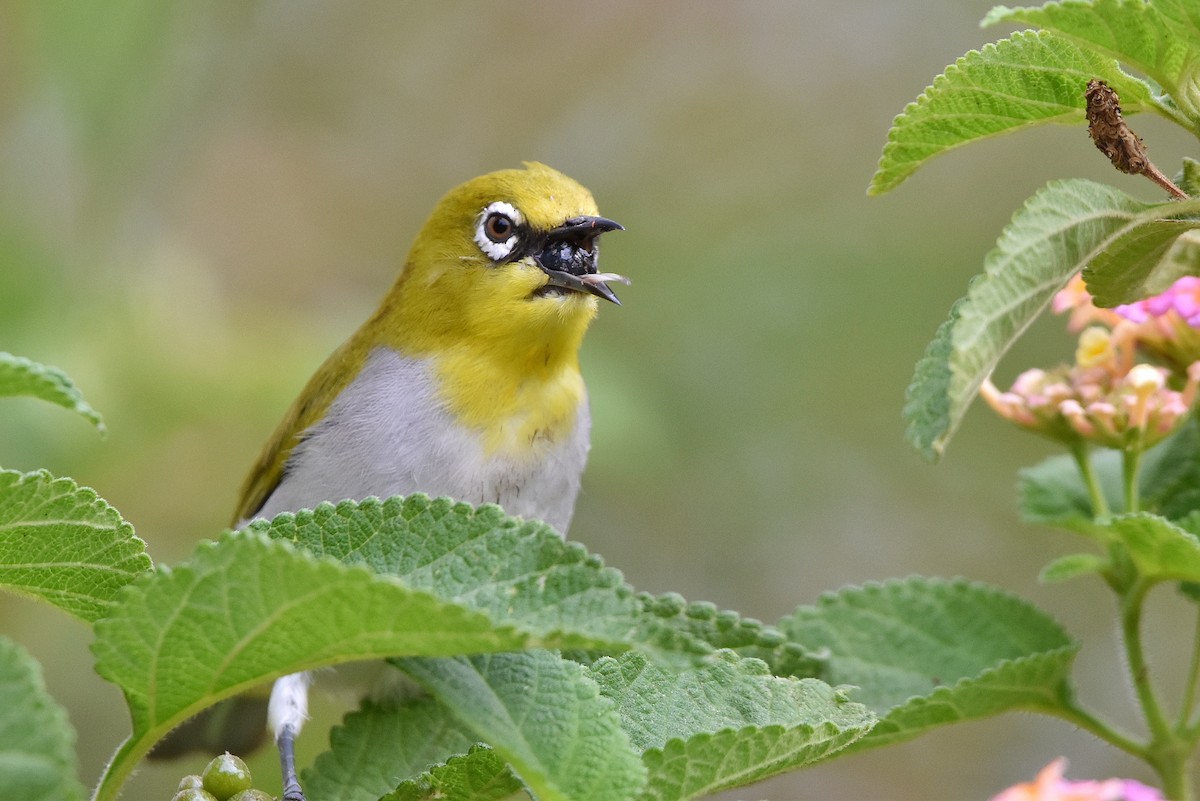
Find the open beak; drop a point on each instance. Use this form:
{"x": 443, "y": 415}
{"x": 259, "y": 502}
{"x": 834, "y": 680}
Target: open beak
{"x": 568, "y": 257}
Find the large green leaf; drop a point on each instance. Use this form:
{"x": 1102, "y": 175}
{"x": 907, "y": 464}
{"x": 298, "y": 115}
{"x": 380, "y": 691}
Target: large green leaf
{"x": 544, "y": 716}
{"x": 20, "y": 376}
{"x": 1028, "y": 79}
{"x": 927, "y": 652}
{"x": 513, "y": 569}
{"x": 1160, "y": 38}
{"x": 1146, "y": 259}
{"x": 725, "y": 723}
{"x": 1058, "y": 232}
{"x": 383, "y": 743}
{"x": 37, "y": 755}
{"x": 62, "y": 543}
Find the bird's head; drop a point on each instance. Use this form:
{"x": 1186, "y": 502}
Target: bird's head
{"x": 511, "y": 254}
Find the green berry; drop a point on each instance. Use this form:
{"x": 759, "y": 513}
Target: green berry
{"x": 191, "y": 782}
{"x": 253, "y": 795}
{"x": 226, "y": 776}
{"x": 193, "y": 794}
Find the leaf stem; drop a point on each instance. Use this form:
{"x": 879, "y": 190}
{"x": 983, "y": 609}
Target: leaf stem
{"x": 1131, "y": 463}
{"x": 1193, "y": 677}
{"x": 1083, "y": 460}
{"x": 1071, "y": 712}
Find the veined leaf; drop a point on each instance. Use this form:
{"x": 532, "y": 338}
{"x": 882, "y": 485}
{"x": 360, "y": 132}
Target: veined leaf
{"x": 1147, "y": 259}
{"x": 515, "y": 570}
{"x": 478, "y": 775}
{"x": 1160, "y": 38}
{"x": 926, "y": 652}
{"x": 544, "y": 716}
{"x": 1161, "y": 550}
{"x": 725, "y": 723}
{"x": 1072, "y": 566}
{"x": 63, "y": 544}
{"x": 1058, "y": 232}
{"x": 20, "y": 376}
{"x": 37, "y": 755}
{"x": 381, "y": 744}
{"x": 456, "y": 581}
{"x": 1052, "y": 492}
{"x": 1028, "y": 79}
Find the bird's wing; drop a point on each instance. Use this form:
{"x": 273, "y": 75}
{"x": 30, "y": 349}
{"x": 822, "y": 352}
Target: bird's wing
{"x": 325, "y": 385}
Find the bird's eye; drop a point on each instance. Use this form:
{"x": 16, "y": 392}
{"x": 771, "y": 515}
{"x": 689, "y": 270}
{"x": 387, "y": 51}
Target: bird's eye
{"x": 498, "y": 227}
{"x": 497, "y": 230}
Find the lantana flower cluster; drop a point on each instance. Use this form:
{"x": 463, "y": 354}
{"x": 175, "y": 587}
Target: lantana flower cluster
{"x": 1110, "y": 396}
{"x": 1051, "y": 786}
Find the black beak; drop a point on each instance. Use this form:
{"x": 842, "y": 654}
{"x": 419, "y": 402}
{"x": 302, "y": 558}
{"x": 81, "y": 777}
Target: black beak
{"x": 568, "y": 256}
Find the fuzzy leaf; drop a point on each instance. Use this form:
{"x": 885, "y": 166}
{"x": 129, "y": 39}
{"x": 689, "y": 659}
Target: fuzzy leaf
{"x": 722, "y": 628}
{"x": 927, "y": 652}
{"x": 515, "y": 570}
{"x": 478, "y": 775}
{"x": 20, "y": 376}
{"x": 1146, "y": 260}
{"x": 381, "y": 744}
{"x": 63, "y": 544}
{"x": 1160, "y": 549}
{"x": 544, "y": 716}
{"x": 1028, "y": 79}
{"x": 725, "y": 723}
{"x": 1072, "y": 566}
{"x": 1160, "y": 39}
{"x": 37, "y": 754}
{"x": 1056, "y": 234}
{"x": 1052, "y": 493}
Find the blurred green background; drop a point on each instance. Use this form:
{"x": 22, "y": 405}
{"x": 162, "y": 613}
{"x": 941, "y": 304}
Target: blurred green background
{"x": 199, "y": 201}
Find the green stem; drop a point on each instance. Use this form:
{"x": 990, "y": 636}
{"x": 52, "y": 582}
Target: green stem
{"x": 1083, "y": 460}
{"x": 1168, "y": 753}
{"x": 1131, "y": 463}
{"x": 1071, "y": 712}
{"x": 1189, "y": 691}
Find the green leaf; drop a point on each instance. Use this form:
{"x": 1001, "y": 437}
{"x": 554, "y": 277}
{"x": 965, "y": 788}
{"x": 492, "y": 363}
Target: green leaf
{"x": 1147, "y": 258}
{"x": 20, "y": 376}
{"x": 723, "y": 628}
{"x": 1052, "y": 493}
{"x": 478, "y": 775}
{"x": 247, "y": 610}
{"x": 1072, "y": 566}
{"x": 515, "y": 570}
{"x": 927, "y": 652}
{"x": 1169, "y": 482}
{"x": 1160, "y": 549}
{"x": 61, "y": 543}
{"x": 544, "y": 716}
{"x": 37, "y": 744}
{"x": 1028, "y": 79}
{"x": 382, "y": 743}
{"x": 725, "y": 723}
{"x": 1160, "y": 39}
{"x": 1056, "y": 234}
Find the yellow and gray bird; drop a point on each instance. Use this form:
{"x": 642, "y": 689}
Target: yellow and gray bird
{"x": 465, "y": 382}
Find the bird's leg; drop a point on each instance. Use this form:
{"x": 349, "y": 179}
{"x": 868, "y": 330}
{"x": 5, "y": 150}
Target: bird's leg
{"x": 286, "y": 713}
{"x": 286, "y": 741}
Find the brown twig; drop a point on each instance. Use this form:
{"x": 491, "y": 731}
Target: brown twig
{"x": 1114, "y": 138}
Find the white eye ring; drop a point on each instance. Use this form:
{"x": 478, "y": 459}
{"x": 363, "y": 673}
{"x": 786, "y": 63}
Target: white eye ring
{"x": 493, "y": 222}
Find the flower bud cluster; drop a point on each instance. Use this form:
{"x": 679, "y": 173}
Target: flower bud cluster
{"x": 1108, "y": 396}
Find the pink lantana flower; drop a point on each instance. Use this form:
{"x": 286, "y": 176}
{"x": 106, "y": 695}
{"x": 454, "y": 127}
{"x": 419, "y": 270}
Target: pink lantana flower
{"x": 1104, "y": 398}
{"x": 1051, "y": 786}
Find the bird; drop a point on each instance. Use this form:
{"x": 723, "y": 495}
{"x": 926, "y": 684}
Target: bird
{"x": 465, "y": 382}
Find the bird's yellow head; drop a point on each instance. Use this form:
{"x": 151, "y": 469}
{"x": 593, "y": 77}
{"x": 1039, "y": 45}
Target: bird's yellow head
{"x": 508, "y": 257}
